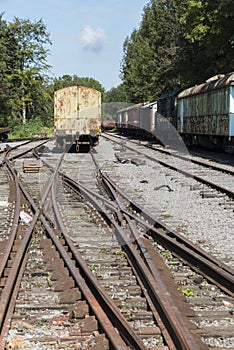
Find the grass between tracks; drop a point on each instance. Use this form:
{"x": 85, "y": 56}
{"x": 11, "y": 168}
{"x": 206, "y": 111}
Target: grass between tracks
{"x": 31, "y": 128}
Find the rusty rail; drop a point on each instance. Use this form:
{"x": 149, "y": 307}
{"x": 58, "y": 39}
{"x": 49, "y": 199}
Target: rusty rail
{"x": 200, "y": 179}
{"x": 212, "y": 268}
{"x": 180, "y": 336}
{"x": 117, "y": 319}
{"x": 10, "y": 291}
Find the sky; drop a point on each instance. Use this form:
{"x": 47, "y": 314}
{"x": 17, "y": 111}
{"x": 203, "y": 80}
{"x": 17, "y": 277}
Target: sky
{"x": 87, "y": 36}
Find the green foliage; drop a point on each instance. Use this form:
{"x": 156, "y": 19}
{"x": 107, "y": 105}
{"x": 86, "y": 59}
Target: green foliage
{"x": 166, "y": 254}
{"x": 120, "y": 253}
{"x": 187, "y": 292}
{"x": 209, "y": 39}
{"x": 150, "y": 52}
{"x": 68, "y": 80}
{"x": 31, "y": 128}
{"x": 179, "y": 43}
{"x": 104, "y": 250}
{"x": 114, "y": 100}
{"x": 4, "y": 83}
{"x": 93, "y": 269}
{"x": 23, "y": 65}
{"x": 116, "y": 94}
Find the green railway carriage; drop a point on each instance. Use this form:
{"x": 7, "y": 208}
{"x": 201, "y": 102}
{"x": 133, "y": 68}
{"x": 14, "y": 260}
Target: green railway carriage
{"x": 205, "y": 113}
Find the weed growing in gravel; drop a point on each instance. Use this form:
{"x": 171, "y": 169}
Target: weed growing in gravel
{"x": 80, "y": 218}
{"x": 93, "y": 269}
{"x": 41, "y": 285}
{"x": 120, "y": 253}
{"x": 166, "y": 254}
{"x": 187, "y": 292}
{"x": 36, "y": 238}
{"x": 42, "y": 323}
{"x": 166, "y": 216}
{"x": 37, "y": 264}
{"x": 50, "y": 283}
{"x": 104, "y": 250}
{"x": 99, "y": 233}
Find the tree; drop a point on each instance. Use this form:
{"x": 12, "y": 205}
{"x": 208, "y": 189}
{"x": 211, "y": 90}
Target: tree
{"x": 68, "y": 80}
{"x": 116, "y": 94}
{"x": 179, "y": 43}
{"x": 27, "y": 72}
{"x": 209, "y": 38}
{"x": 4, "y": 64}
{"x": 114, "y": 99}
{"x": 149, "y": 54}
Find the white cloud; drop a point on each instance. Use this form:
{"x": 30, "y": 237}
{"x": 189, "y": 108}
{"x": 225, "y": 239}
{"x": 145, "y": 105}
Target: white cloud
{"x": 92, "y": 39}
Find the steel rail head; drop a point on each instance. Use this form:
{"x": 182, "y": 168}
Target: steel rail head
{"x": 26, "y": 151}
{"x": 7, "y": 293}
{"x": 116, "y": 340}
{"x": 131, "y": 338}
{"x": 212, "y": 268}
{"x": 51, "y": 182}
{"x": 12, "y": 277}
{"x": 179, "y": 331}
{"x": 8, "y": 312}
{"x": 14, "y": 225}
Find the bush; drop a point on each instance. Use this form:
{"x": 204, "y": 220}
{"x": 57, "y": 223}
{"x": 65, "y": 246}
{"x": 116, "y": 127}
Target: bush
{"x": 31, "y": 128}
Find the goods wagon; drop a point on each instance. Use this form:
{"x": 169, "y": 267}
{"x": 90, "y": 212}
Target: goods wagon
{"x": 4, "y": 133}
{"x": 147, "y": 119}
{"x": 108, "y": 124}
{"x": 202, "y": 115}
{"x": 77, "y": 117}
{"x": 128, "y": 119}
{"x": 205, "y": 113}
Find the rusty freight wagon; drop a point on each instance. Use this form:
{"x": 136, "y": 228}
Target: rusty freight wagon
{"x": 77, "y": 117}
{"x": 4, "y": 133}
{"x": 205, "y": 113}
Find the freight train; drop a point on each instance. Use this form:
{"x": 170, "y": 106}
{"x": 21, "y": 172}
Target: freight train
{"x": 202, "y": 115}
{"x": 77, "y": 117}
{"x": 4, "y": 133}
{"x": 108, "y": 124}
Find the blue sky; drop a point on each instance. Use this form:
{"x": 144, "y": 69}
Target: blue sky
{"x": 87, "y": 35}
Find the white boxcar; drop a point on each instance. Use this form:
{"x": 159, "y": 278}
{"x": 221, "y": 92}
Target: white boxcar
{"x": 77, "y": 116}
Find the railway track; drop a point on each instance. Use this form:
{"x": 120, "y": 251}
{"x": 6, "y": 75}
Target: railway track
{"x": 84, "y": 236}
{"x": 82, "y": 215}
{"x": 171, "y": 190}
{"x": 219, "y": 177}
{"x": 49, "y": 310}
{"x": 188, "y": 282}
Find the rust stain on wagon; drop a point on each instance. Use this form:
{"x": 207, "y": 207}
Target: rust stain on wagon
{"x": 76, "y": 110}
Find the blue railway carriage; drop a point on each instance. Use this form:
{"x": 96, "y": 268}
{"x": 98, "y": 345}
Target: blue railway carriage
{"x": 205, "y": 113}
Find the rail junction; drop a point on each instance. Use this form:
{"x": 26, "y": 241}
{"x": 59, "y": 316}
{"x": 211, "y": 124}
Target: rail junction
{"x": 85, "y": 264}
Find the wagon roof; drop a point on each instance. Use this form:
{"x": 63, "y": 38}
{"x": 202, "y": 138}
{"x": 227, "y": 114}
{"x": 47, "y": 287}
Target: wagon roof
{"x": 215, "y": 83}
{"x": 78, "y": 87}
{"x": 132, "y": 107}
{"x": 149, "y": 105}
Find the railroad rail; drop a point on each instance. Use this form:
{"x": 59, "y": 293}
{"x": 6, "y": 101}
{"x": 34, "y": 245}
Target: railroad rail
{"x": 15, "y": 270}
{"x": 172, "y": 263}
{"x": 182, "y": 168}
{"x": 123, "y": 219}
